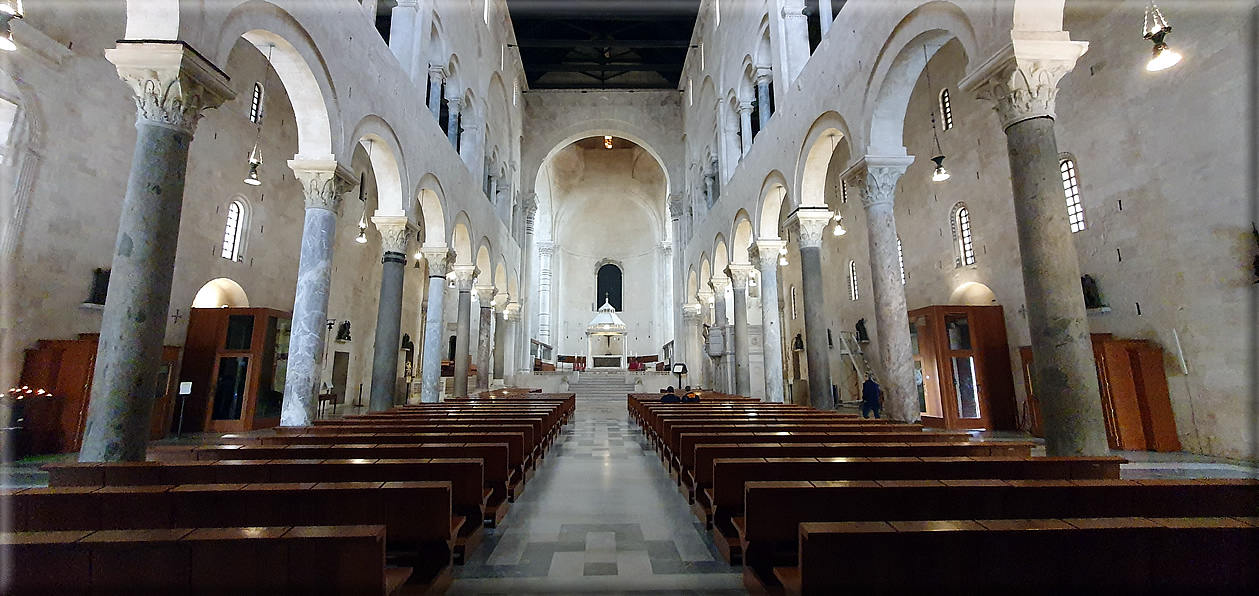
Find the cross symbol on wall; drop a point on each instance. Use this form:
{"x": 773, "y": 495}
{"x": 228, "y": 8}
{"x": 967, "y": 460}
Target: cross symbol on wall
{"x": 177, "y": 316}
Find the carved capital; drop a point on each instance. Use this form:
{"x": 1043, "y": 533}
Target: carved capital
{"x": 485, "y": 295}
{"x": 763, "y": 75}
{"x": 546, "y": 249}
{"x": 324, "y": 182}
{"x": 693, "y": 314}
{"x": 1022, "y": 79}
{"x": 705, "y": 296}
{"x": 808, "y": 224}
{"x": 874, "y": 178}
{"x": 745, "y": 107}
{"x": 764, "y": 254}
{"x": 794, "y": 12}
{"x": 529, "y": 204}
{"x": 511, "y": 312}
{"x": 739, "y": 275}
{"x": 395, "y": 234}
{"x": 677, "y": 202}
{"x": 464, "y": 276}
{"x": 437, "y": 72}
{"x": 173, "y": 84}
{"x": 439, "y": 260}
{"x": 719, "y": 286}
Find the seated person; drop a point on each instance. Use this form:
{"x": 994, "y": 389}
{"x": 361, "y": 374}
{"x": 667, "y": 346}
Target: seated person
{"x": 668, "y": 389}
{"x": 670, "y": 397}
{"x": 691, "y": 397}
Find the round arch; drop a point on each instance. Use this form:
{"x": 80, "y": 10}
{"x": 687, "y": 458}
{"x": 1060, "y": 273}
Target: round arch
{"x": 721, "y": 256}
{"x": 461, "y": 240}
{"x": 773, "y": 195}
{"x": 827, "y": 132}
{"x": 741, "y": 239}
{"x": 430, "y": 197}
{"x": 973, "y": 293}
{"x": 387, "y": 158}
{"x": 220, "y": 293}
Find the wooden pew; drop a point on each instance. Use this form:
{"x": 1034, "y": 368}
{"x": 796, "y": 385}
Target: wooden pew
{"x": 768, "y": 530}
{"x": 718, "y": 505}
{"x": 267, "y": 560}
{"x": 530, "y": 441}
{"x": 493, "y": 456}
{"x": 1121, "y": 555}
{"x": 464, "y": 475}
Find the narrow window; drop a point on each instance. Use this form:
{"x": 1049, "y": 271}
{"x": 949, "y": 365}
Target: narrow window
{"x": 852, "y": 281}
{"x": 608, "y": 286}
{"x": 794, "y": 312}
{"x": 255, "y": 108}
{"x": 233, "y": 231}
{"x": 1071, "y": 185}
{"x": 965, "y": 243}
{"x": 843, "y": 191}
{"x": 900, "y": 254}
{"x": 946, "y": 110}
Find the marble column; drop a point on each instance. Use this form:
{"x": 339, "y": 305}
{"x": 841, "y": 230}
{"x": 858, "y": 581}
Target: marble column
{"x": 324, "y": 183}
{"x": 721, "y": 311}
{"x": 739, "y": 275}
{"x": 402, "y": 32}
{"x": 708, "y": 356}
{"x": 438, "y": 259}
{"x": 745, "y": 125}
{"x": 1022, "y": 83}
{"x": 764, "y": 102}
{"x": 678, "y": 268}
{"x": 826, "y": 16}
{"x": 464, "y": 276}
{"x": 545, "y": 251}
{"x": 500, "y": 338}
{"x": 809, "y": 223}
{"x": 764, "y": 255}
{"x": 436, "y": 77}
{"x": 874, "y": 178}
{"x": 693, "y": 317}
{"x": 452, "y": 121}
{"x": 529, "y": 303}
{"x": 511, "y": 347}
{"x": 395, "y": 235}
{"x": 485, "y": 337}
{"x": 796, "y": 30}
{"x": 173, "y": 86}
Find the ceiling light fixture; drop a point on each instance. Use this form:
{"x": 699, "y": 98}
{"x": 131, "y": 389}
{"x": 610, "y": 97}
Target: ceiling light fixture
{"x": 1156, "y": 30}
{"x": 10, "y": 10}
{"x": 362, "y": 196}
{"x": 940, "y": 174}
{"x": 255, "y": 156}
{"x": 839, "y": 230}
{"x": 607, "y": 142}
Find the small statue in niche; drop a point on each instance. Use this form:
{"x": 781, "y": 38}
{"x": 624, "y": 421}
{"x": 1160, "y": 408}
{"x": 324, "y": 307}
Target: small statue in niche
{"x": 1092, "y": 294}
{"x": 343, "y": 332}
{"x": 863, "y": 336}
{"x": 100, "y": 286}
{"x": 797, "y": 344}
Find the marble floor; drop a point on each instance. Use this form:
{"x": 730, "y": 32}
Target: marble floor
{"x": 600, "y": 517}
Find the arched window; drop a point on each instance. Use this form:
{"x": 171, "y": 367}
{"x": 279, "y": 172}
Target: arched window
{"x": 1071, "y": 185}
{"x": 900, "y": 254}
{"x": 255, "y": 108}
{"x": 965, "y": 243}
{"x": 843, "y": 191}
{"x": 946, "y": 110}
{"x": 233, "y": 234}
{"x": 852, "y": 281}
{"x": 608, "y": 286}
{"x": 794, "y": 313}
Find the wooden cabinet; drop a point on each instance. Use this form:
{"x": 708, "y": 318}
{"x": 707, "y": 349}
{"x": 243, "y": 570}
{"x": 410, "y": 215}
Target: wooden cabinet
{"x": 1136, "y": 404}
{"x": 236, "y": 360}
{"x": 65, "y": 368}
{"x": 962, "y": 367}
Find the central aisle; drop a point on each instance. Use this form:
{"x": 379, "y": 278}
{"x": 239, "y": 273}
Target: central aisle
{"x": 601, "y": 516}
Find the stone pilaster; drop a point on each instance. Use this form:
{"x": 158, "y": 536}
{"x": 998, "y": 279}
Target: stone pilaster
{"x": 796, "y": 28}
{"x": 764, "y": 255}
{"x": 739, "y": 277}
{"x": 511, "y": 342}
{"x": 745, "y": 125}
{"x": 173, "y": 86}
{"x": 402, "y": 32}
{"x": 808, "y": 225}
{"x": 763, "y": 100}
{"x": 439, "y": 260}
{"x": 1022, "y": 83}
{"x": 485, "y": 337}
{"x": 395, "y": 233}
{"x": 464, "y": 276}
{"x": 436, "y": 78}
{"x": 874, "y": 179}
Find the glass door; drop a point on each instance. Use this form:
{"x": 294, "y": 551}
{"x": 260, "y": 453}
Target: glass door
{"x": 965, "y": 380}
{"x": 925, "y": 367}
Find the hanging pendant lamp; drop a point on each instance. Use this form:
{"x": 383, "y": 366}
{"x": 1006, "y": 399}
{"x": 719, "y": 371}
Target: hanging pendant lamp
{"x": 1156, "y": 30}
{"x": 255, "y": 156}
{"x": 940, "y": 174}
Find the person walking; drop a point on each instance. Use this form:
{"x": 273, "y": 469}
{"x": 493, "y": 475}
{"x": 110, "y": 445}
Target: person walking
{"x": 871, "y": 398}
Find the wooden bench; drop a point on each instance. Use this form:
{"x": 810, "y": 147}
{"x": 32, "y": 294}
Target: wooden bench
{"x": 1122, "y": 555}
{"x": 493, "y": 456}
{"x": 464, "y": 475}
{"x": 266, "y": 560}
{"x": 768, "y": 530}
{"x": 685, "y": 455}
{"x": 530, "y": 445}
{"x": 718, "y": 505}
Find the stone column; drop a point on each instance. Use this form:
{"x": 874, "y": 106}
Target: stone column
{"x": 796, "y": 33}
{"x": 693, "y": 316}
{"x": 826, "y": 15}
{"x": 710, "y": 187}
{"x": 464, "y": 275}
{"x": 500, "y": 338}
{"x": 402, "y": 32}
{"x": 721, "y": 319}
{"x": 395, "y": 238}
{"x": 1022, "y": 82}
{"x": 452, "y": 121}
{"x": 173, "y": 86}
{"x": 764, "y": 255}
{"x": 708, "y": 359}
{"x": 763, "y": 99}
{"x": 874, "y": 179}
{"x": 511, "y": 347}
{"x": 678, "y": 268}
{"x": 529, "y": 303}
{"x": 745, "y": 125}
{"x": 545, "y": 251}
{"x": 436, "y": 77}
{"x": 809, "y": 223}
{"x": 485, "y": 338}
{"x": 439, "y": 259}
{"x": 324, "y": 182}
{"x": 739, "y": 276}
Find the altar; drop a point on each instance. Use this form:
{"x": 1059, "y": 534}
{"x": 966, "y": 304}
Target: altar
{"x": 605, "y": 340}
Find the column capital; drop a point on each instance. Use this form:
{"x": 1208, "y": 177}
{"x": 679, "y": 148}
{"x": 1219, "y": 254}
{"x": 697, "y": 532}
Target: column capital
{"x": 794, "y": 12}
{"x": 765, "y": 253}
{"x": 529, "y": 204}
{"x": 666, "y": 247}
{"x": 453, "y": 104}
{"x": 408, "y": 4}
{"x": 437, "y": 71}
{"x": 719, "y": 285}
{"x": 745, "y": 107}
{"x": 706, "y": 296}
{"x": 546, "y": 249}
{"x": 464, "y": 276}
{"x": 485, "y": 295}
{"x": 874, "y": 178}
{"x": 173, "y": 84}
{"x": 677, "y": 202}
{"x": 395, "y": 232}
{"x": 692, "y": 313}
{"x": 438, "y": 260}
{"x": 809, "y": 223}
{"x": 763, "y": 74}
{"x": 739, "y": 274}
{"x": 1022, "y": 79}
{"x": 511, "y": 312}
{"x": 324, "y": 182}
